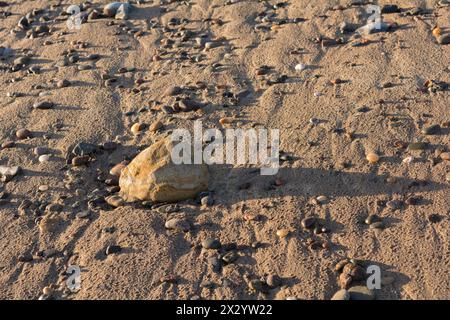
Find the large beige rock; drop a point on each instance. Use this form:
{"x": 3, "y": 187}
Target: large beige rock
{"x": 153, "y": 176}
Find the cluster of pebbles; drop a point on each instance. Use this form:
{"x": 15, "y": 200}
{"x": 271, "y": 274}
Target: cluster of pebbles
{"x": 85, "y": 164}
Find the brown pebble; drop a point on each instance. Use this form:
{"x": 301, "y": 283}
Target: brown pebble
{"x": 80, "y": 161}
{"x": 137, "y": 127}
{"x": 117, "y": 169}
{"x": 155, "y": 126}
{"x": 372, "y": 158}
{"x": 282, "y": 233}
{"x": 341, "y": 264}
{"x": 445, "y": 156}
{"x": 8, "y": 144}
{"x": 23, "y": 134}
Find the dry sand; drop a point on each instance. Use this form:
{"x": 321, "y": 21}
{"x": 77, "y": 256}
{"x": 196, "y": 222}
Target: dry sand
{"x": 381, "y": 99}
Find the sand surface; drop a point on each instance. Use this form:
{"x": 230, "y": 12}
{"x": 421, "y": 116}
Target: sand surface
{"x": 326, "y": 129}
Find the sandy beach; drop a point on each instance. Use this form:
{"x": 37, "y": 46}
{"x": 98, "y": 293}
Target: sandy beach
{"x": 364, "y": 134}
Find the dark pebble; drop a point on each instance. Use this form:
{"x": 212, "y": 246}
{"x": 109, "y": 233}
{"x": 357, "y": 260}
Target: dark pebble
{"x": 431, "y": 130}
{"x": 112, "y": 249}
{"x": 44, "y": 105}
{"x": 434, "y": 218}
{"x": 211, "y": 243}
{"x": 309, "y": 223}
{"x": 372, "y": 219}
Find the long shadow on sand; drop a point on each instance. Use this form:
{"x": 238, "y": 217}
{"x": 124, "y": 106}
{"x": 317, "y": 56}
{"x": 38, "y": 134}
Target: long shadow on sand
{"x": 309, "y": 182}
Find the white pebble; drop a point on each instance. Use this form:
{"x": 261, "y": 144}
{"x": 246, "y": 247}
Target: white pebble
{"x": 408, "y": 160}
{"x": 44, "y": 158}
{"x": 300, "y": 67}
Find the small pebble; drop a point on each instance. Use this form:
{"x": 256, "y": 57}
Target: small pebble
{"x": 211, "y": 243}
{"x": 282, "y": 233}
{"x": 112, "y": 249}
{"x": 137, "y": 128}
{"x": 115, "y": 201}
{"x": 273, "y": 281}
{"x": 372, "y": 158}
{"x": 44, "y": 158}
{"x": 23, "y": 134}
{"x": 417, "y": 146}
{"x": 178, "y": 224}
{"x": 80, "y": 161}
{"x": 308, "y": 223}
{"x": 300, "y": 67}
{"x": 372, "y": 219}
{"x": 44, "y": 105}
{"x": 63, "y": 83}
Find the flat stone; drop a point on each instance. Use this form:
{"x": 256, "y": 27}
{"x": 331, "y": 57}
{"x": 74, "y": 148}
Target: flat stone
{"x": 85, "y": 149}
{"x": 115, "y": 201}
{"x": 178, "y": 224}
{"x": 418, "y": 146}
{"x": 361, "y": 293}
{"x": 341, "y": 295}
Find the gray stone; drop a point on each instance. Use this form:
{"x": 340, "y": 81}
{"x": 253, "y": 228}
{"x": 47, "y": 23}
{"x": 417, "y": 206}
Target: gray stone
{"x": 361, "y": 293}
{"x": 341, "y": 295}
{"x": 211, "y": 243}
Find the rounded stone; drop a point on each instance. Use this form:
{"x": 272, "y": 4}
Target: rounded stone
{"x": 372, "y": 158}
{"x": 282, "y": 233}
{"x": 137, "y": 128}
{"x": 153, "y": 176}
{"x": 112, "y": 249}
{"x": 273, "y": 280}
{"x": 44, "y": 158}
{"x": 178, "y": 224}
{"x": 211, "y": 243}
{"x": 23, "y": 134}
{"x": 63, "y": 83}
{"x": 80, "y": 161}
{"x": 114, "y": 201}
